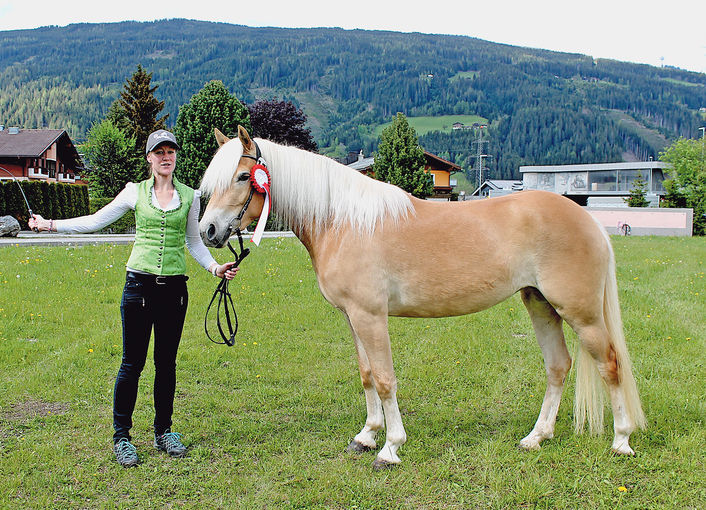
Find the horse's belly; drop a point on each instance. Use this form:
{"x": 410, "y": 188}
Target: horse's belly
{"x": 446, "y": 300}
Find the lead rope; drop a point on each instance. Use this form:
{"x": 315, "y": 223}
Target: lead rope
{"x": 225, "y": 301}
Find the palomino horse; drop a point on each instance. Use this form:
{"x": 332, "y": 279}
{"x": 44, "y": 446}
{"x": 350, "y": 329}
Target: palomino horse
{"x": 375, "y": 250}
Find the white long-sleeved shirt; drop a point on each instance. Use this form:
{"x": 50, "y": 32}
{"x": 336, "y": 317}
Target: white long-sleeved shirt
{"x": 126, "y": 201}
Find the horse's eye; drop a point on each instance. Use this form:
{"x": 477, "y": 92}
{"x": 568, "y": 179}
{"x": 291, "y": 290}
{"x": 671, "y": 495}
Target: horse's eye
{"x": 243, "y": 177}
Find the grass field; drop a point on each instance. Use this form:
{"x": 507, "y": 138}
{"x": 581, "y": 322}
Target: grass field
{"x": 267, "y": 421}
{"x": 423, "y": 125}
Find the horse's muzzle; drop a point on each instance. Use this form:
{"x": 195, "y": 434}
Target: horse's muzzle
{"x": 211, "y": 236}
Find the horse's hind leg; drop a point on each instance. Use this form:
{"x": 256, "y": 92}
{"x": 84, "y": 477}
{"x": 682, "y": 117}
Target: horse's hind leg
{"x": 595, "y": 341}
{"x": 365, "y": 439}
{"x": 557, "y": 361}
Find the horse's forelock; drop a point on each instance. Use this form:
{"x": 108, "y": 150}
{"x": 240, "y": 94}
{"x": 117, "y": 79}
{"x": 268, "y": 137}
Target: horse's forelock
{"x": 219, "y": 173}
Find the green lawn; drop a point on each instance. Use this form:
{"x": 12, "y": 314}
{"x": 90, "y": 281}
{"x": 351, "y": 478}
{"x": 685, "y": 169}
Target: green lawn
{"x": 267, "y": 421}
{"x": 423, "y": 125}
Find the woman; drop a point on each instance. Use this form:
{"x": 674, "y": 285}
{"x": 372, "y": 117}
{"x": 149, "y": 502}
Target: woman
{"x": 155, "y": 294}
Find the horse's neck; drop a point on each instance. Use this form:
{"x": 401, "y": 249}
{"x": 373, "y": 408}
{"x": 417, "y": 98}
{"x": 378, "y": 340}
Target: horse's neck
{"x": 314, "y": 242}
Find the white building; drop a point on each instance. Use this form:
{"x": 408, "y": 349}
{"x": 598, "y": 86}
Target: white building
{"x": 598, "y": 184}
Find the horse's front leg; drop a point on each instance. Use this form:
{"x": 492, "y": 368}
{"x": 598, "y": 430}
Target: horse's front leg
{"x": 365, "y": 440}
{"x": 373, "y": 343}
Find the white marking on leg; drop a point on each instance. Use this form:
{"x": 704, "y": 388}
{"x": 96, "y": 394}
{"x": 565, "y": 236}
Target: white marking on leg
{"x": 375, "y": 420}
{"x": 621, "y": 422}
{"x": 396, "y": 435}
{"x": 544, "y": 427}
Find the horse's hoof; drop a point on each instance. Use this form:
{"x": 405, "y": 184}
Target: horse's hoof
{"x": 623, "y": 451}
{"x": 382, "y": 465}
{"x": 357, "y": 447}
{"x": 529, "y": 446}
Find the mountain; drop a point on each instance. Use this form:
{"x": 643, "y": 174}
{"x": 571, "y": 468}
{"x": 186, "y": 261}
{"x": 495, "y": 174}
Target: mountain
{"x": 541, "y": 107}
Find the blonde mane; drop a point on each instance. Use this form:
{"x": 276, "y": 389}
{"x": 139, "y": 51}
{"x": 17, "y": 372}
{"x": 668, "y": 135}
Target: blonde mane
{"x": 312, "y": 191}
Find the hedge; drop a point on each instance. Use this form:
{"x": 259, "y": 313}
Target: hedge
{"x": 125, "y": 225}
{"x": 48, "y": 199}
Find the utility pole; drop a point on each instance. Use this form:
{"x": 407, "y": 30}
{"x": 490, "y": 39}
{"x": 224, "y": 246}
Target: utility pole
{"x": 480, "y": 156}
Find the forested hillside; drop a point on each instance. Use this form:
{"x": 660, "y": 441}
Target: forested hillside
{"x": 542, "y": 107}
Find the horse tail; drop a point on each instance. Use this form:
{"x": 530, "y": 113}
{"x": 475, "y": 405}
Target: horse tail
{"x": 588, "y": 404}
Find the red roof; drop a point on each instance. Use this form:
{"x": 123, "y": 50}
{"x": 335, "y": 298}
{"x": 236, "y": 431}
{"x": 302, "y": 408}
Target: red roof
{"x": 33, "y": 143}
{"x": 27, "y": 143}
{"x": 451, "y": 167}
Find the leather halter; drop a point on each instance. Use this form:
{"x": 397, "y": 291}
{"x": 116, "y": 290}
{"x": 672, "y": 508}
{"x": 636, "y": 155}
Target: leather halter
{"x": 258, "y": 160}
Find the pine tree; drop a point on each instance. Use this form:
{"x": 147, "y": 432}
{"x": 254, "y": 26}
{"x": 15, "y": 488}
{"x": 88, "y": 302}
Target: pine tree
{"x": 400, "y": 159}
{"x": 212, "y": 107}
{"x": 637, "y": 193}
{"x": 141, "y": 107}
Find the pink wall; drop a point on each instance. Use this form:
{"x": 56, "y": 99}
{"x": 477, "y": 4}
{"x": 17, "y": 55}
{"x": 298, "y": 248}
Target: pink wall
{"x": 645, "y": 221}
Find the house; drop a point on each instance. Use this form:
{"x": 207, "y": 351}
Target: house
{"x": 40, "y": 154}
{"x": 598, "y": 184}
{"x": 439, "y": 168}
{"x": 497, "y": 188}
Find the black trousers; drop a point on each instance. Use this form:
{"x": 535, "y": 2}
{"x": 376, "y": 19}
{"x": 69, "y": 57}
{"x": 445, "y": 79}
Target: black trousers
{"x": 149, "y": 302}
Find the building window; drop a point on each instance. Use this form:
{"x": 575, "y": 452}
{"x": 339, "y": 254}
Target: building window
{"x": 657, "y": 180}
{"x": 627, "y": 178}
{"x": 51, "y": 167}
{"x": 603, "y": 181}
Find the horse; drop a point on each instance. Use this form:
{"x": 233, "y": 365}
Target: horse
{"x": 376, "y": 249}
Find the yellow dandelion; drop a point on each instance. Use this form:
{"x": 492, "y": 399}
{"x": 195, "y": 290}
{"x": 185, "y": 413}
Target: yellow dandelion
{"x": 622, "y": 488}
{"x": 254, "y": 343}
{"x": 90, "y": 350}
{"x": 635, "y": 278}
{"x": 257, "y": 376}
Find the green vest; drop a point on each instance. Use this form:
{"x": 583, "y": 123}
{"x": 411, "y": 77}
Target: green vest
{"x": 160, "y": 235}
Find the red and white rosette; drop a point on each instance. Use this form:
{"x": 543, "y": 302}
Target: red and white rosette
{"x": 260, "y": 179}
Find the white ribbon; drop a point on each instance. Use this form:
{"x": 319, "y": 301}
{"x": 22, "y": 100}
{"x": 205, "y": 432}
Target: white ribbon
{"x": 262, "y": 179}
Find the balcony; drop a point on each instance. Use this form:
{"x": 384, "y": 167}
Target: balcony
{"x": 66, "y": 178}
{"x": 37, "y": 173}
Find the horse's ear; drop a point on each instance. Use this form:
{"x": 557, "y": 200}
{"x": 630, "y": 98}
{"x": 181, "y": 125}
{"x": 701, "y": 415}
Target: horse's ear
{"x": 245, "y": 139}
{"x": 220, "y": 137}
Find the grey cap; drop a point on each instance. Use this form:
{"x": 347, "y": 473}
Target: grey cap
{"x": 159, "y": 137}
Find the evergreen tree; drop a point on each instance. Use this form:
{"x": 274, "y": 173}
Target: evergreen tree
{"x": 118, "y": 117}
{"x": 212, "y": 107}
{"x": 281, "y": 122}
{"x": 400, "y": 159}
{"x": 111, "y": 157}
{"x": 637, "y": 193}
{"x": 141, "y": 107}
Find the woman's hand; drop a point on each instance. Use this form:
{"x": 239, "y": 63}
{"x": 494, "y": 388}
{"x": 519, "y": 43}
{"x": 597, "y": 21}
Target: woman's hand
{"x": 38, "y": 224}
{"x": 227, "y": 271}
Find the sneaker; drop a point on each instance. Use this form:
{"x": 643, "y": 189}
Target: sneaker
{"x": 125, "y": 453}
{"x": 170, "y": 442}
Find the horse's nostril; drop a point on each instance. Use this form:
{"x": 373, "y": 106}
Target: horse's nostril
{"x": 211, "y": 232}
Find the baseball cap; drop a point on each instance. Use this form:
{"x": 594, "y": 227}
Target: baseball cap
{"x": 159, "y": 137}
